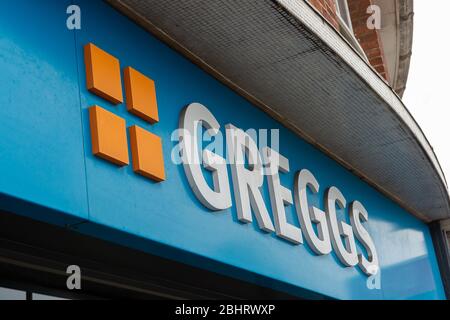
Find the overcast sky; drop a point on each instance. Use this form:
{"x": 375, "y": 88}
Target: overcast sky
{"x": 427, "y": 93}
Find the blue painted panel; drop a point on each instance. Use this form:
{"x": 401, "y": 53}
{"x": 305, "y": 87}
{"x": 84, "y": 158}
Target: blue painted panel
{"x": 48, "y": 161}
{"x": 41, "y": 147}
{"x": 169, "y": 214}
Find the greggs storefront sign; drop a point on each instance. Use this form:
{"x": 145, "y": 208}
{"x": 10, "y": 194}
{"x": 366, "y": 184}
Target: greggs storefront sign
{"x": 123, "y": 139}
{"x": 248, "y": 163}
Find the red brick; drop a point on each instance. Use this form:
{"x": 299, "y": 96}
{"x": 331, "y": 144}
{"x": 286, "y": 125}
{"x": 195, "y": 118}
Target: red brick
{"x": 369, "y": 39}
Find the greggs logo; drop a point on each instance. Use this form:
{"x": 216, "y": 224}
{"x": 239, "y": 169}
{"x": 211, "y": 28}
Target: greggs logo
{"x": 108, "y": 130}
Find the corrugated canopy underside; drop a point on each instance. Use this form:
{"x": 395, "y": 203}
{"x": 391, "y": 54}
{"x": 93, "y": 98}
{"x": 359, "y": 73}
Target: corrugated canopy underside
{"x": 284, "y": 57}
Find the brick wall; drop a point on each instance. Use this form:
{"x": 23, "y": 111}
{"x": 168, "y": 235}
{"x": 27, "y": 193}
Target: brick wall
{"x": 369, "y": 39}
{"x": 328, "y": 10}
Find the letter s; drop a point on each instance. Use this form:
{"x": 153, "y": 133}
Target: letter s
{"x": 358, "y": 214}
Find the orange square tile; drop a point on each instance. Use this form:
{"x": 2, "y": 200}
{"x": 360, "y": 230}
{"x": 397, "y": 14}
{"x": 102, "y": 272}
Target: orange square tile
{"x": 141, "y": 95}
{"x": 103, "y": 74}
{"x": 147, "y": 154}
{"x": 109, "y": 136}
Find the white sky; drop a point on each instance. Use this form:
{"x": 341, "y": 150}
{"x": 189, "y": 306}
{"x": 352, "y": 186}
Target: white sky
{"x": 428, "y": 89}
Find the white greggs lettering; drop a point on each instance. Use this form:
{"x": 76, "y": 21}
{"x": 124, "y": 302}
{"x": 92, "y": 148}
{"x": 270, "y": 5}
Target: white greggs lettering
{"x": 247, "y": 180}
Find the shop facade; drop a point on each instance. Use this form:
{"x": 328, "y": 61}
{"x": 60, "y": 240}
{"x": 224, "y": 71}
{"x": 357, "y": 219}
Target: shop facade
{"x": 123, "y": 156}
